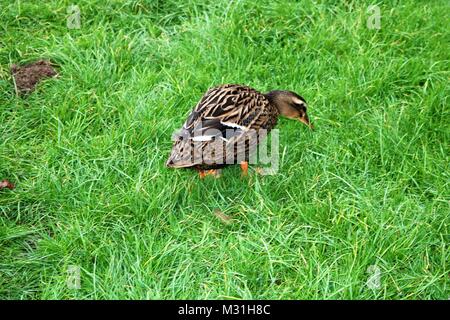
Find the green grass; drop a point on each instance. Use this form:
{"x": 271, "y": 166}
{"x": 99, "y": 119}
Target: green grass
{"x": 369, "y": 187}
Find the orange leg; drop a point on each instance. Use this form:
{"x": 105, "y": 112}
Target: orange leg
{"x": 244, "y": 168}
{"x": 213, "y": 172}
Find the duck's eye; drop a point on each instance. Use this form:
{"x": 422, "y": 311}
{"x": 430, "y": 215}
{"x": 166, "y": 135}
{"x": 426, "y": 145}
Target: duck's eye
{"x": 300, "y": 106}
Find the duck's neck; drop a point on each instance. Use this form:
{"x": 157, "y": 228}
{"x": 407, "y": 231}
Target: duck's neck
{"x": 275, "y": 99}
{"x": 272, "y": 96}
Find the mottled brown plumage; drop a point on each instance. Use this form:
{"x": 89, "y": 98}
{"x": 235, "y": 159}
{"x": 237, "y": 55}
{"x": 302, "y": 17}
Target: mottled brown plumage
{"x": 227, "y": 118}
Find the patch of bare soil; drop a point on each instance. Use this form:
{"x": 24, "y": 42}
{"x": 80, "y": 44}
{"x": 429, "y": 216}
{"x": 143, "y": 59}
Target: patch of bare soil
{"x": 26, "y": 77}
{"x": 6, "y": 184}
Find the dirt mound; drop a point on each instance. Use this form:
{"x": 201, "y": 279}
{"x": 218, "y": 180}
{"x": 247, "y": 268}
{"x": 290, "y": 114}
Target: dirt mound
{"x": 6, "y": 184}
{"x": 28, "y": 76}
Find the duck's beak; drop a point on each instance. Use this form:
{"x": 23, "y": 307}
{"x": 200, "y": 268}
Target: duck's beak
{"x": 306, "y": 121}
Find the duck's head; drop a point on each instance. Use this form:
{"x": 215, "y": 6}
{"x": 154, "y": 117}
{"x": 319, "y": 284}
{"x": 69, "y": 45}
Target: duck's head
{"x": 290, "y": 105}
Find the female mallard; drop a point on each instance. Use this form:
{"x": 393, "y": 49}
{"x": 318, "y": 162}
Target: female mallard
{"x": 228, "y": 123}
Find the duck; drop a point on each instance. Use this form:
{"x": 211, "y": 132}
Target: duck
{"x": 227, "y": 124}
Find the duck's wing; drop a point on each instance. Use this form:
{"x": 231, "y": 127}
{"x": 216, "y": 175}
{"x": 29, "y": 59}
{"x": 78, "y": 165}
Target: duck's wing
{"x": 227, "y": 112}
{"x": 228, "y": 108}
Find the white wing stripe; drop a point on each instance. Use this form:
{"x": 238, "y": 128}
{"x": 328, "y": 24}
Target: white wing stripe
{"x": 202, "y": 138}
{"x": 233, "y": 125}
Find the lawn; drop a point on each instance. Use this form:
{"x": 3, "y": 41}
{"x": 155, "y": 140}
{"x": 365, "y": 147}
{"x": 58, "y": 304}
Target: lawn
{"x": 359, "y": 208}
